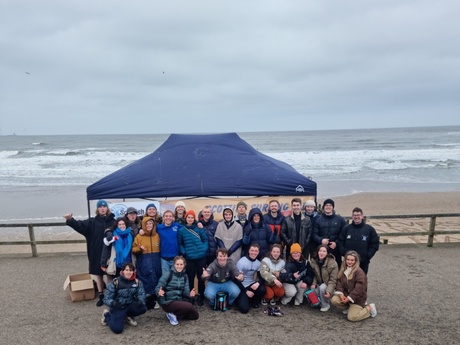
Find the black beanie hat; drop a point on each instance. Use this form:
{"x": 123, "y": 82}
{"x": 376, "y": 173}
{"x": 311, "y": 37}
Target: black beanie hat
{"x": 329, "y": 201}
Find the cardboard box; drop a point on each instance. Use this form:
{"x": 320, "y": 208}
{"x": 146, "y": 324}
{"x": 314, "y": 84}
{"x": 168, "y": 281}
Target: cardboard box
{"x": 81, "y": 287}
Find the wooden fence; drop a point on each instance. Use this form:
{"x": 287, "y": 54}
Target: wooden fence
{"x": 431, "y": 232}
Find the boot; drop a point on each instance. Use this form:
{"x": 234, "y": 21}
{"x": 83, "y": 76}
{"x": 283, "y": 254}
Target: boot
{"x": 200, "y": 300}
{"x": 100, "y": 302}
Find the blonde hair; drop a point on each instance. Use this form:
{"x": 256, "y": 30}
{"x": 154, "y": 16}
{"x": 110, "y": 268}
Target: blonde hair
{"x": 344, "y": 264}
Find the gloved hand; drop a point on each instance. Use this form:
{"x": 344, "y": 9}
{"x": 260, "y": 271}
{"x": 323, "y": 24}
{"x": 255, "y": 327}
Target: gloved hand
{"x": 116, "y": 305}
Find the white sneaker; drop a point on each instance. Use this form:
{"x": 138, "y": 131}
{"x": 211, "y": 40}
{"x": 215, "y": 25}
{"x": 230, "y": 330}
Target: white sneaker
{"x": 272, "y": 302}
{"x": 130, "y": 320}
{"x": 157, "y": 305}
{"x": 345, "y": 311}
{"x": 372, "y": 310}
{"x": 172, "y": 319}
{"x": 103, "y": 322}
{"x": 263, "y": 301}
{"x": 326, "y": 308}
{"x": 284, "y": 302}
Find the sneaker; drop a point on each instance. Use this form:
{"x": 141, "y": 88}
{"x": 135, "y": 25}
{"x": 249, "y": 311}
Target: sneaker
{"x": 284, "y": 302}
{"x": 372, "y": 310}
{"x": 326, "y": 308}
{"x": 264, "y": 301}
{"x": 130, "y": 321}
{"x": 345, "y": 311}
{"x": 157, "y": 305}
{"x": 172, "y": 319}
{"x": 296, "y": 302}
{"x": 272, "y": 302}
{"x": 103, "y": 321}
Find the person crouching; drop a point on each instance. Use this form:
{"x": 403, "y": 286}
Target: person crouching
{"x": 125, "y": 296}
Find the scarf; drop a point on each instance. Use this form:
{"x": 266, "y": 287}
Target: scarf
{"x": 123, "y": 246}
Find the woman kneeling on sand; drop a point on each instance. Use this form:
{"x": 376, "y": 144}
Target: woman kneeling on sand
{"x": 172, "y": 289}
{"x": 126, "y": 298}
{"x": 351, "y": 290}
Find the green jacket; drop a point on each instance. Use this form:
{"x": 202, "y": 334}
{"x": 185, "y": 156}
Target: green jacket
{"x": 175, "y": 285}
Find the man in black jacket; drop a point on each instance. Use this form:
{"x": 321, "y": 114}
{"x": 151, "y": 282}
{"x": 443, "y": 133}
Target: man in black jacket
{"x": 360, "y": 237}
{"x": 327, "y": 229}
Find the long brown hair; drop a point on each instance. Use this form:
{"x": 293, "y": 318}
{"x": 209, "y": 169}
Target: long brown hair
{"x": 344, "y": 264}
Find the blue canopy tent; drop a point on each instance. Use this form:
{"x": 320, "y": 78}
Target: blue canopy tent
{"x": 202, "y": 166}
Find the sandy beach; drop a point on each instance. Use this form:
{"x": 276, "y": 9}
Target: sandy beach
{"x": 373, "y": 204}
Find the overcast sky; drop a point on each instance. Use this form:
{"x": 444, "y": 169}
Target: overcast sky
{"x": 192, "y": 66}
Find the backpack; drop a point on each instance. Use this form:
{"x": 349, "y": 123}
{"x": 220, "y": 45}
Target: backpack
{"x": 312, "y": 298}
{"x": 221, "y": 301}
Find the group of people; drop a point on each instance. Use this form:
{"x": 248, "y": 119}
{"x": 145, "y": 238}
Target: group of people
{"x": 252, "y": 258}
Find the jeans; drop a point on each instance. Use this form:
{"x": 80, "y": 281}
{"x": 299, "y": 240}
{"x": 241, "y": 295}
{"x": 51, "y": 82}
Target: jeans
{"x": 229, "y": 287}
{"x": 320, "y": 291}
{"x": 166, "y": 266}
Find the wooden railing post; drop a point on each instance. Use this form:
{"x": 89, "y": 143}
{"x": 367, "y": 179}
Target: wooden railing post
{"x": 33, "y": 244}
{"x": 431, "y": 231}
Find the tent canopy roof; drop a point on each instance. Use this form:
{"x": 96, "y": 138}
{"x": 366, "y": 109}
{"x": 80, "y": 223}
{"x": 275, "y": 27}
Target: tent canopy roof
{"x": 202, "y": 166}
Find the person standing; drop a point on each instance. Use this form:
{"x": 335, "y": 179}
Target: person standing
{"x": 241, "y": 216}
{"x": 193, "y": 245}
{"x": 229, "y": 235}
{"x": 310, "y": 211}
{"x": 360, "y": 237}
{"x": 179, "y": 212}
{"x": 206, "y": 219}
{"x": 327, "y": 229}
{"x": 274, "y": 219}
{"x": 256, "y": 231}
{"x": 132, "y": 220}
{"x": 146, "y": 248}
{"x": 169, "y": 247}
{"x": 93, "y": 231}
{"x": 296, "y": 228}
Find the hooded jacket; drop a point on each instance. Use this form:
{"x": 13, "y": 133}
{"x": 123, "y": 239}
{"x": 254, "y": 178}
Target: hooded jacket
{"x": 148, "y": 262}
{"x": 259, "y": 233}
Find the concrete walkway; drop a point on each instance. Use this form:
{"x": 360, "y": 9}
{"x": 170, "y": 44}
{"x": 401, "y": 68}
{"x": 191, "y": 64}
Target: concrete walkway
{"x": 416, "y": 290}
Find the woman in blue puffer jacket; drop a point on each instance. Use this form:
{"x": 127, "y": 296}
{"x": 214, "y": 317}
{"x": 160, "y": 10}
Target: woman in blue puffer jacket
{"x": 125, "y": 297}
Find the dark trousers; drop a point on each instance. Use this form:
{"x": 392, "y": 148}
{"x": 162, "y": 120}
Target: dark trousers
{"x": 116, "y": 317}
{"x": 195, "y": 268}
{"x": 245, "y": 303}
{"x": 182, "y": 310}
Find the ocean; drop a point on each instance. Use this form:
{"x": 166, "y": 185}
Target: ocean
{"x": 42, "y": 176}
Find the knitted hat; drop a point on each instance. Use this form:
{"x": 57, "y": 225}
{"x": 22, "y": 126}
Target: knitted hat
{"x": 190, "y": 212}
{"x": 295, "y": 248}
{"x": 150, "y": 205}
{"x": 131, "y": 210}
{"x": 180, "y": 203}
{"x": 242, "y": 203}
{"x": 101, "y": 203}
{"x": 329, "y": 201}
{"x": 310, "y": 203}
